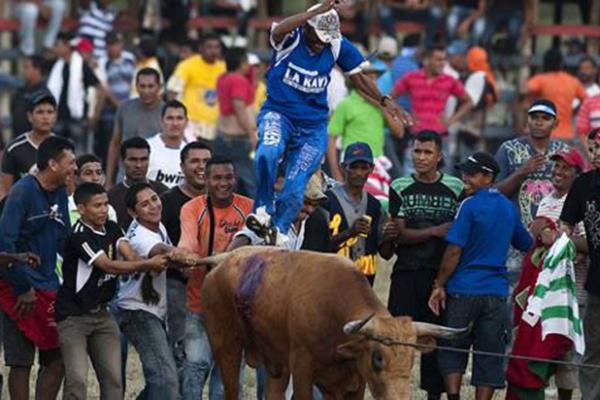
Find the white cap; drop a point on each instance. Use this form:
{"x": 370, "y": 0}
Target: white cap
{"x": 326, "y": 25}
{"x": 253, "y": 59}
{"x": 387, "y": 47}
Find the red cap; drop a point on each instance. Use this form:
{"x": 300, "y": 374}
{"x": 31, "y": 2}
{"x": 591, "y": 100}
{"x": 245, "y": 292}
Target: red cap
{"x": 85, "y": 45}
{"x": 572, "y": 157}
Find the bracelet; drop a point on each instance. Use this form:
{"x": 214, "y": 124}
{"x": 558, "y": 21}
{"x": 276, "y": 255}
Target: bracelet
{"x": 383, "y": 100}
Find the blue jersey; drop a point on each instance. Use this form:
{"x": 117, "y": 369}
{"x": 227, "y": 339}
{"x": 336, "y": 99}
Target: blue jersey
{"x": 297, "y": 79}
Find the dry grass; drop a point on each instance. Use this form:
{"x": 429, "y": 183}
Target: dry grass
{"x": 135, "y": 379}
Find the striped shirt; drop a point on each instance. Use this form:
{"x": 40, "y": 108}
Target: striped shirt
{"x": 589, "y": 116}
{"x": 95, "y": 23}
{"x": 117, "y": 76}
{"x": 428, "y": 98}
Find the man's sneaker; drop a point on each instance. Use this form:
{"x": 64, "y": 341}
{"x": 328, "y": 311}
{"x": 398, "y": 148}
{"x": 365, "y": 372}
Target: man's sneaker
{"x": 260, "y": 223}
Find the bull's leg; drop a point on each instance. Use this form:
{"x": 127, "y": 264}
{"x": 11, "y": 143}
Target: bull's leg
{"x": 228, "y": 356}
{"x": 302, "y": 376}
{"x": 276, "y": 386}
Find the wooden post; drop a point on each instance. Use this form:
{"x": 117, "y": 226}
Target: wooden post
{"x": 594, "y": 43}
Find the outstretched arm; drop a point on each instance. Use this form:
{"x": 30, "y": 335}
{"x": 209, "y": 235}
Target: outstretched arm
{"x": 289, "y": 24}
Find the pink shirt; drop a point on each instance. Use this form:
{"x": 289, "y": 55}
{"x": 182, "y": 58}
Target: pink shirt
{"x": 589, "y": 115}
{"x": 233, "y": 86}
{"x": 428, "y": 98}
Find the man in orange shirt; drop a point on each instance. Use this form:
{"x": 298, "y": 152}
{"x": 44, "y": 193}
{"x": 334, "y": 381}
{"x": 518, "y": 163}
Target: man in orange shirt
{"x": 559, "y": 87}
{"x": 208, "y": 223}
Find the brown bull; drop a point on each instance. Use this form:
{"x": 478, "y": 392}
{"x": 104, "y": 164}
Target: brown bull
{"x": 309, "y": 315}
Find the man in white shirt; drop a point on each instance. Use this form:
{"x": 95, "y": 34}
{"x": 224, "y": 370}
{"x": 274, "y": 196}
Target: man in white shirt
{"x": 142, "y": 298}
{"x": 166, "y": 146}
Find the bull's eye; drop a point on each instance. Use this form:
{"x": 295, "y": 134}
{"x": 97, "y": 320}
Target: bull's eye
{"x": 377, "y": 361}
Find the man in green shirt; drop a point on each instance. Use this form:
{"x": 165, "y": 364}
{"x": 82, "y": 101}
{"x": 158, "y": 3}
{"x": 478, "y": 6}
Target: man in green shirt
{"x": 356, "y": 119}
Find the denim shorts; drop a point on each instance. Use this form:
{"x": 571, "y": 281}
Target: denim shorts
{"x": 489, "y": 317}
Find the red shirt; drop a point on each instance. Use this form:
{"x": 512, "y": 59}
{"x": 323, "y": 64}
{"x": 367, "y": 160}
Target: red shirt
{"x": 233, "y": 86}
{"x": 428, "y": 98}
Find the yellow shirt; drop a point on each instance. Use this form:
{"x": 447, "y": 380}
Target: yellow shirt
{"x": 195, "y": 81}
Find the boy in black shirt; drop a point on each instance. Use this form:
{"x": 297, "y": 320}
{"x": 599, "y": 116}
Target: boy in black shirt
{"x": 85, "y": 326}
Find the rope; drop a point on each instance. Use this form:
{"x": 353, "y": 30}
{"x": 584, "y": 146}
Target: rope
{"x": 482, "y": 353}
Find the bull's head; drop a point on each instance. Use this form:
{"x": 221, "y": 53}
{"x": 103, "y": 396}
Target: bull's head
{"x": 382, "y": 357}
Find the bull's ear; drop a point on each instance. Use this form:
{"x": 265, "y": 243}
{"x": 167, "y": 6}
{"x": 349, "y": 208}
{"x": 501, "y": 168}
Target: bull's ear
{"x": 351, "y": 349}
{"x": 428, "y": 342}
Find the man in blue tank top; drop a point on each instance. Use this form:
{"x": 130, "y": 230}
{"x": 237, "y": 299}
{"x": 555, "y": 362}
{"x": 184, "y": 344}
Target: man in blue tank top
{"x": 292, "y": 124}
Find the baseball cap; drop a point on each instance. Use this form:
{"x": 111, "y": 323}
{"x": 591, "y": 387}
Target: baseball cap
{"x": 326, "y": 25}
{"x": 572, "y": 157}
{"x": 457, "y": 47}
{"x": 387, "y": 47}
{"x": 358, "y": 151}
{"x": 314, "y": 189}
{"x": 41, "y": 96}
{"x": 114, "y": 37}
{"x": 480, "y": 162}
{"x": 543, "y": 106}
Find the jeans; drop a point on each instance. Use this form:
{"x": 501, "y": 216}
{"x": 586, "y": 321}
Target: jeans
{"x": 146, "y": 332}
{"x": 589, "y": 378}
{"x": 433, "y": 17}
{"x": 199, "y": 362}
{"x": 96, "y": 335}
{"x": 176, "y": 322}
{"x": 496, "y": 19}
{"x": 456, "y": 16}
{"x": 27, "y": 12}
{"x": 303, "y": 148}
{"x": 76, "y": 131}
{"x": 238, "y": 150}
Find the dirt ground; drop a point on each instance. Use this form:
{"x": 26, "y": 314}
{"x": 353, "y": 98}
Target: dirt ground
{"x": 135, "y": 379}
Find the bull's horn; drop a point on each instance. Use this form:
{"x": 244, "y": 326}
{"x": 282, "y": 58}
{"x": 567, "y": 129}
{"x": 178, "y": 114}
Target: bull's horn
{"x": 439, "y": 331}
{"x": 355, "y": 326}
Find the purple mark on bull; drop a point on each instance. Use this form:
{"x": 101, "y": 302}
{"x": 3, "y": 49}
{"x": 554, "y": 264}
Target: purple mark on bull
{"x": 249, "y": 283}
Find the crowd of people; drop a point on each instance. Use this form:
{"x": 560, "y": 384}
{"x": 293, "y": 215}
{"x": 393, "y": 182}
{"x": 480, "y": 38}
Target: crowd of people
{"x": 124, "y": 171}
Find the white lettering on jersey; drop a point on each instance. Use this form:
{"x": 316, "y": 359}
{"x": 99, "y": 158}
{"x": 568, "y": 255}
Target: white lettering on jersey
{"x": 304, "y": 80}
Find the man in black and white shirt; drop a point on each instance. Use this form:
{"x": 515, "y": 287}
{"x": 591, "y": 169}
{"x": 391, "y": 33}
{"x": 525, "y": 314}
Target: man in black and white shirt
{"x": 20, "y": 156}
{"x": 166, "y": 146}
{"x": 85, "y": 326}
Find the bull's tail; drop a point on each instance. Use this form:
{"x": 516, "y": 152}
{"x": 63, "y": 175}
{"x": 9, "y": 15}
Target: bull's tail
{"x": 213, "y": 260}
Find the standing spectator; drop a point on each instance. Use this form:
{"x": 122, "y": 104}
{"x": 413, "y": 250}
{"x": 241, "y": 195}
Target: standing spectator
{"x": 424, "y": 11}
{"x": 387, "y": 51}
{"x": 356, "y": 12}
{"x": 146, "y": 56}
{"x": 587, "y": 72}
{"x": 28, "y": 12}
{"x": 139, "y": 116}
{"x": 95, "y": 23}
{"x": 165, "y": 146}
{"x": 568, "y": 165}
{"x": 89, "y": 170}
{"x": 464, "y": 20}
{"x": 135, "y": 155}
{"x": 525, "y": 169}
{"x": 33, "y": 73}
{"x": 588, "y": 118}
{"x": 208, "y": 223}
{"x": 560, "y": 88}
{"x": 240, "y": 9}
{"x": 509, "y": 14}
{"x": 20, "y": 156}
{"x": 194, "y": 82}
{"x": 356, "y": 119}
{"x": 429, "y": 89}
{"x": 116, "y": 73}
{"x": 236, "y": 136}
{"x": 356, "y": 217}
{"x": 582, "y": 204}
{"x": 35, "y": 218}
{"x": 85, "y": 326}
{"x": 194, "y": 157}
{"x": 142, "y": 298}
{"x": 471, "y": 286}
{"x": 422, "y": 206}
{"x": 69, "y": 80}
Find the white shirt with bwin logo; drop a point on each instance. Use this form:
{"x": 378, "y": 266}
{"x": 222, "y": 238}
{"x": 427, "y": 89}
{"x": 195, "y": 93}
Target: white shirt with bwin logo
{"x": 164, "y": 166}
